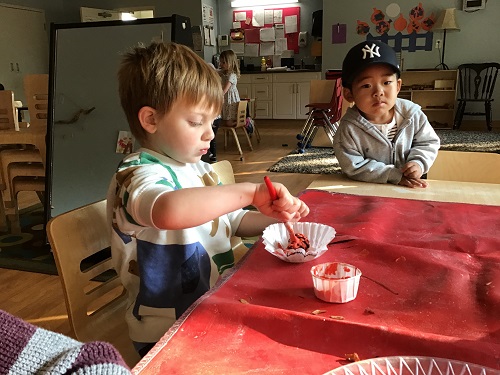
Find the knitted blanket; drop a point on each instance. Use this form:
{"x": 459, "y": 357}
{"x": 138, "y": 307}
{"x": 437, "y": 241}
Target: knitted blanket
{"x": 27, "y": 349}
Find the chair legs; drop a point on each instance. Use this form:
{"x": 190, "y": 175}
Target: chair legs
{"x": 459, "y": 115}
{"x": 235, "y": 135}
{"x": 315, "y": 120}
{"x": 487, "y": 111}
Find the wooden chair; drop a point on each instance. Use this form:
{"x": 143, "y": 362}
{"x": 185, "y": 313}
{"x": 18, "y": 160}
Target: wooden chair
{"x": 321, "y": 114}
{"x": 477, "y": 83}
{"x": 96, "y": 309}
{"x": 13, "y": 153}
{"x": 36, "y": 90}
{"x": 8, "y": 115}
{"x": 466, "y": 167}
{"x": 252, "y": 113}
{"x": 224, "y": 170}
{"x": 239, "y": 123}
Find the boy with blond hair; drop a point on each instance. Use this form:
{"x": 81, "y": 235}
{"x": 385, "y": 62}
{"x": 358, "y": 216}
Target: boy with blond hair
{"x": 171, "y": 218}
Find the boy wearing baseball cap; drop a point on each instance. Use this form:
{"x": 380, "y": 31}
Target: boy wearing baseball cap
{"x": 382, "y": 138}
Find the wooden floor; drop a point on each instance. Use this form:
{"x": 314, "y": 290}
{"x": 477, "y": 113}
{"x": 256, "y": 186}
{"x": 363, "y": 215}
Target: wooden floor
{"x": 38, "y": 298}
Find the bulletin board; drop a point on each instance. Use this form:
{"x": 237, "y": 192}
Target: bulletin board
{"x": 292, "y": 38}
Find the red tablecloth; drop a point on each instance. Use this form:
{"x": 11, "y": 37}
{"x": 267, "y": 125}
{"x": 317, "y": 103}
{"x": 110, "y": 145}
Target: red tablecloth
{"x": 432, "y": 288}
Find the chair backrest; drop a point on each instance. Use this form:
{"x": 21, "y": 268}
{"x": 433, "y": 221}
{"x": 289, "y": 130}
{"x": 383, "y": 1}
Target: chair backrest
{"x": 328, "y": 91}
{"x": 8, "y": 116}
{"x": 224, "y": 170}
{"x": 95, "y": 297}
{"x": 36, "y": 90}
{"x": 241, "y": 114}
{"x": 477, "y": 81}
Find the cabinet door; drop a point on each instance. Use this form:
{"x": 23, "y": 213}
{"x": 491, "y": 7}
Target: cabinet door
{"x": 263, "y": 109}
{"x": 244, "y": 89}
{"x": 262, "y": 91}
{"x": 24, "y": 45}
{"x": 284, "y": 102}
{"x": 302, "y": 99}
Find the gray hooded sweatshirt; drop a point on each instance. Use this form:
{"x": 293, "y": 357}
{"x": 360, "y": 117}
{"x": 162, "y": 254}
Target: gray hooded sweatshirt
{"x": 365, "y": 154}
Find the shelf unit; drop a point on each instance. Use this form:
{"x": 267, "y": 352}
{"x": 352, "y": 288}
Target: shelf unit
{"x": 435, "y": 91}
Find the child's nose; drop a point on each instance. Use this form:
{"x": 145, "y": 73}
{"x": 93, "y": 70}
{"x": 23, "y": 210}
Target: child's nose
{"x": 378, "y": 90}
{"x": 209, "y": 133}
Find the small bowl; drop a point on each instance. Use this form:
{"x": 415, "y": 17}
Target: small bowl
{"x": 275, "y": 238}
{"x": 335, "y": 282}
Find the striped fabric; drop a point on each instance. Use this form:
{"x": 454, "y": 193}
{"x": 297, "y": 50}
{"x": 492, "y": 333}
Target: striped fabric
{"x": 26, "y": 349}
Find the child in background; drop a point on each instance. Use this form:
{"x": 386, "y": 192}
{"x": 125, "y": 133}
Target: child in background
{"x": 171, "y": 218}
{"x": 212, "y": 152}
{"x": 230, "y": 72}
{"x": 383, "y": 138}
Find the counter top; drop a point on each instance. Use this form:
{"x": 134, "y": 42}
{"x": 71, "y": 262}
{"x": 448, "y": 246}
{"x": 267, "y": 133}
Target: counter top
{"x": 280, "y": 71}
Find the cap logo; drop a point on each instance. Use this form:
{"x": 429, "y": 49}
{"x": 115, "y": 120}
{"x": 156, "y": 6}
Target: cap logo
{"x": 373, "y": 51}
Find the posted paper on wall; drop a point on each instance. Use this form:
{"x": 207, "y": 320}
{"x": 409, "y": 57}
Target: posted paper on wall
{"x": 240, "y": 16}
{"x": 290, "y": 24}
{"x": 279, "y": 30}
{"x": 281, "y": 45}
{"x": 238, "y": 47}
{"x": 267, "y": 49}
{"x": 258, "y": 18}
{"x": 267, "y": 34}
{"x": 252, "y": 49}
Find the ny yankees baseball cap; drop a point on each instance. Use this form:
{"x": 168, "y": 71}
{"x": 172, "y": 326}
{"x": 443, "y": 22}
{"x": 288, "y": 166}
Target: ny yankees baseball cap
{"x": 364, "y": 54}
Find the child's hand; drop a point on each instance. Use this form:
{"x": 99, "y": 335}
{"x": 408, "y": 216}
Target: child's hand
{"x": 412, "y": 170}
{"x": 285, "y": 208}
{"x": 413, "y": 182}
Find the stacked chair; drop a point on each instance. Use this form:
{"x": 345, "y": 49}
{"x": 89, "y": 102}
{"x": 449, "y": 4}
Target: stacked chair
{"x": 322, "y": 115}
{"x": 22, "y": 166}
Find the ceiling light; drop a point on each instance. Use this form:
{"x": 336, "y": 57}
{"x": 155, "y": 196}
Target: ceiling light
{"x": 255, "y": 3}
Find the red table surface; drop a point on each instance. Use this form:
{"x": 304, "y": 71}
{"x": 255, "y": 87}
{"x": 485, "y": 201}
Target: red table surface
{"x": 433, "y": 290}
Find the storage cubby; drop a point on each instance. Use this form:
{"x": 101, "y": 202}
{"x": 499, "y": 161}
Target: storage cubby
{"x": 435, "y": 91}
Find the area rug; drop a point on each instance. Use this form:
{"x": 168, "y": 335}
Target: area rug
{"x": 321, "y": 160}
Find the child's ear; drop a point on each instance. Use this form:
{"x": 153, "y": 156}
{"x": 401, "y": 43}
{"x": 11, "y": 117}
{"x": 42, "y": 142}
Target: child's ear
{"x": 347, "y": 94}
{"x": 400, "y": 82}
{"x": 147, "y": 119}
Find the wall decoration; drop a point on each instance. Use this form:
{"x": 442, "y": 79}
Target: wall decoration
{"x": 339, "y": 33}
{"x": 393, "y": 10}
{"x": 249, "y": 19}
{"x": 414, "y": 30}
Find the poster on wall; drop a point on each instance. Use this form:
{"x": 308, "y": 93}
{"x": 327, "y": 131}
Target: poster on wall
{"x": 410, "y": 33}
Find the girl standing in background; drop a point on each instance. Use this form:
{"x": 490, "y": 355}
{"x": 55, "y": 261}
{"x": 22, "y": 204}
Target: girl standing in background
{"x": 230, "y": 72}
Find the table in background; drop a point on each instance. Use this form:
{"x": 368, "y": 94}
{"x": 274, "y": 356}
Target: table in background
{"x": 430, "y": 287}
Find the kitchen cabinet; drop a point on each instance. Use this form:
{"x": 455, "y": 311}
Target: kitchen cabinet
{"x": 24, "y": 45}
{"x": 291, "y": 94}
{"x": 260, "y": 88}
{"x": 434, "y": 91}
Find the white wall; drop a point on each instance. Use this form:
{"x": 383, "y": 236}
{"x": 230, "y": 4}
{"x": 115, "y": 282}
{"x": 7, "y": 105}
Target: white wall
{"x": 475, "y": 42}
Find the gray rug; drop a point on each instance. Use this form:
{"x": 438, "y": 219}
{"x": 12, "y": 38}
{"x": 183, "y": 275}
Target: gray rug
{"x": 321, "y": 160}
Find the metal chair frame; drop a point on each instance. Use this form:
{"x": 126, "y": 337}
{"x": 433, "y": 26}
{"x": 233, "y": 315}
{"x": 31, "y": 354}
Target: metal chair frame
{"x": 322, "y": 115}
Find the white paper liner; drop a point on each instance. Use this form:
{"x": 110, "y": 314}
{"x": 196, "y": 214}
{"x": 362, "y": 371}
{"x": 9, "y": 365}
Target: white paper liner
{"x": 335, "y": 282}
{"x": 319, "y": 235}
